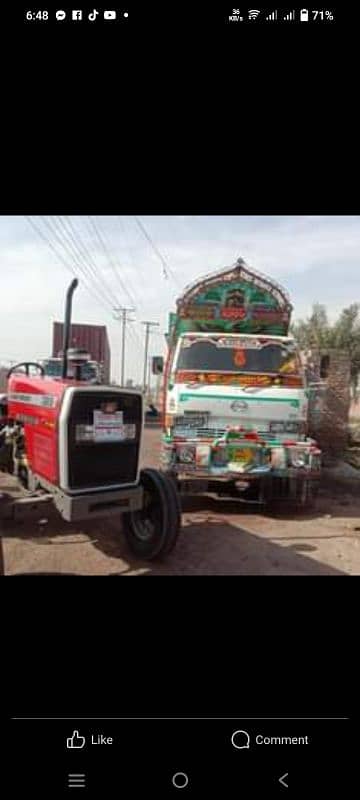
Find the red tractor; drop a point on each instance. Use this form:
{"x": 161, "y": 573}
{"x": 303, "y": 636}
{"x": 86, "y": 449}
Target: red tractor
{"x": 77, "y": 445}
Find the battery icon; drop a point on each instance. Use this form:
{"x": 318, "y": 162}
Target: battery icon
{"x": 304, "y": 15}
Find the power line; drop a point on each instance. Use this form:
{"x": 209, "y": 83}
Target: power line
{"x": 89, "y": 260}
{"x": 129, "y": 247}
{"x": 69, "y": 262}
{"x": 100, "y": 238}
{"x": 166, "y": 267}
{"x": 91, "y": 228}
{"x": 110, "y": 260}
{"x": 58, "y": 255}
{"x": 94, "y": 291}
{"x": 69, "y": 242}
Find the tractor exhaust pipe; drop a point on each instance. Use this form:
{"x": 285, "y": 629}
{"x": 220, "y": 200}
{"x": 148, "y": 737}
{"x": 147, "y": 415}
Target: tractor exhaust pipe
{"x": 67, "y": 324}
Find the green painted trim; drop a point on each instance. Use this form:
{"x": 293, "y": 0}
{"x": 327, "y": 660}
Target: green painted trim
{"x": 293, "y": 401}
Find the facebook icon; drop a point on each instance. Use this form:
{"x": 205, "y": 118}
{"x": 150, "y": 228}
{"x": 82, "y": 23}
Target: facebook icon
{"x": 77, "y": 15}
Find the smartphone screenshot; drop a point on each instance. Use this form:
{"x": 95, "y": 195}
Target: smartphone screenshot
{"x": 179, "y": 400}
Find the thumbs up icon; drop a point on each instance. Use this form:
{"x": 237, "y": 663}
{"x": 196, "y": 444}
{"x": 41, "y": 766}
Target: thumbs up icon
{"x": 75, "y": 741}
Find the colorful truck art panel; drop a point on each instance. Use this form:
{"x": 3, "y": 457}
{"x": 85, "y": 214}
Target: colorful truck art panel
{"x": 237, "y": 300}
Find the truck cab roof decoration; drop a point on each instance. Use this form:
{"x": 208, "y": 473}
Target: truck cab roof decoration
{"x": 235, "y": 299}
{"x": 239, "y": 270}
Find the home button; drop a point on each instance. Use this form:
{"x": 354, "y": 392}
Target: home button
{"x": 180, "y": 780}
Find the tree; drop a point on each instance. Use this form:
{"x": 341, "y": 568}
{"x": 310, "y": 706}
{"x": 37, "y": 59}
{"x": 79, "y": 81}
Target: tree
{"x": 347, "y": 337}
{"x": 344, "y": 334}
{"x": 315, "y": 331}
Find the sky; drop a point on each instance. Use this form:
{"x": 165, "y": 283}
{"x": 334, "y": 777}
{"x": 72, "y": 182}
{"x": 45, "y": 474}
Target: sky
{"x": 316, "y": 259}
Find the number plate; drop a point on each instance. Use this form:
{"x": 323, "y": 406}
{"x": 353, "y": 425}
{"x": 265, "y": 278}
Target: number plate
{"x": 241, "y": 454}
{"x": 192, "y": 421}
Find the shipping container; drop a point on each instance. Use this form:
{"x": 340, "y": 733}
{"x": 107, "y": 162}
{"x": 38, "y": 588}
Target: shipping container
{"x": 93, "y": 338}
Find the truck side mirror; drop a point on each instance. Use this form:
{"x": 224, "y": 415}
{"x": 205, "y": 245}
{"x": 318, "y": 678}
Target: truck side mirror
{"x": 157, "y": 366}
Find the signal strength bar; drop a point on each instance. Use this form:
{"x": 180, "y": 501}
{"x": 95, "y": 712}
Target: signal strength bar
{"x": 290, "y": 16}
{"x": 272, "y": 16}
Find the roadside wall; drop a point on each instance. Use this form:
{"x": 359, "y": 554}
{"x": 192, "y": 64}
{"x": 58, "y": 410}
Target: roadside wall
{"x": 329, "y": 399}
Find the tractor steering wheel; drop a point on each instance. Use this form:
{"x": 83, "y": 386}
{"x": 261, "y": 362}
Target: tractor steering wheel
{"x": 26, "y": 364}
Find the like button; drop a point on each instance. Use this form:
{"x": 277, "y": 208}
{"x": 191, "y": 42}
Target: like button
{"x": 75, "y": 741}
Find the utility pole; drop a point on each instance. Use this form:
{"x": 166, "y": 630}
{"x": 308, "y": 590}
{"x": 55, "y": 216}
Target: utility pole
{"x": 147, "y": 333}
{"x": 122, "y": 311}
{"x": 149, "y": 378}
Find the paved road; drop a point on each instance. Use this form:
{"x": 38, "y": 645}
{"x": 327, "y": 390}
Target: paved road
{"x": 218, "y": 537}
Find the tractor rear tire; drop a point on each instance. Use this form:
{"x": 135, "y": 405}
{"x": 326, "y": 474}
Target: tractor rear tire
{"x": 152, "y": 531}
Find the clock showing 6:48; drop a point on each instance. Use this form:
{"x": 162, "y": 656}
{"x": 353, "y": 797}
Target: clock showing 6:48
{"x": 37, "y": 15}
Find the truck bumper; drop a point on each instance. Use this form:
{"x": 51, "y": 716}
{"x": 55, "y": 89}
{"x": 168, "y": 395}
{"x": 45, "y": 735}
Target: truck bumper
{"x": 240, "y": 459}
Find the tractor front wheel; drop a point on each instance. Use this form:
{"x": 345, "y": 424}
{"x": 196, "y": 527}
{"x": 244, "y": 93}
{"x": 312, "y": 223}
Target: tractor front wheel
{"x": 152, "y": 531}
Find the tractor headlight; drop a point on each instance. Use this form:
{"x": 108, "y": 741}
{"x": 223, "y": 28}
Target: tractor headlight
{"x": 84, "y": 433}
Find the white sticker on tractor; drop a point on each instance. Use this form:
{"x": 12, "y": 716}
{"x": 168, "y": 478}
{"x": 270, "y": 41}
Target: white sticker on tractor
{"x": 109, "y": 427}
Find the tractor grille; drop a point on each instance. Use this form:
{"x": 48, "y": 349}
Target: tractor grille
{"x": 100, "y": 464}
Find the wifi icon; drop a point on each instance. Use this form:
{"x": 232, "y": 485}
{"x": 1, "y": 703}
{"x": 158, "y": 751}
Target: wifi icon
{"x": 253, "y": 14}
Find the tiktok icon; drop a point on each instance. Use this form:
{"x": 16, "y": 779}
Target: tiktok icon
{"x": 93, "y": 14}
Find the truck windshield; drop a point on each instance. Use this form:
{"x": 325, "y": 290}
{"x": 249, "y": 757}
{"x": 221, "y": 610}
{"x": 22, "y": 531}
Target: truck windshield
{"x": 226, "y": 355}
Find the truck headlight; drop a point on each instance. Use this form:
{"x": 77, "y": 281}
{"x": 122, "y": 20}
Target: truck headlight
{"x": 298, "y": 458}
{"x": 186, "y": 454}
{"x": 298, "y": 461}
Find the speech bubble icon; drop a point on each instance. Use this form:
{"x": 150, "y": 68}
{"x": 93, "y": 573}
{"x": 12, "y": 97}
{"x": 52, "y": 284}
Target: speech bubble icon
{"x": 240, "y": 740}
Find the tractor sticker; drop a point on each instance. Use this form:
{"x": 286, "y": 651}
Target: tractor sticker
{"x": 43, "y": 400}
{"x": 109, "y": 427}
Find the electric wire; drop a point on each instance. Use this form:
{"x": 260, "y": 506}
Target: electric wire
{"x": 136, "y": 342}
{"x": 53, "y": 228}
{"x": 59, "y": 256}
{"x": 88, "y": 259}
{"x": 166, "y": 267}
{"x": 101, "y": 239}
{"x": 111, "y": 261}
{"x": 70, "y": 249}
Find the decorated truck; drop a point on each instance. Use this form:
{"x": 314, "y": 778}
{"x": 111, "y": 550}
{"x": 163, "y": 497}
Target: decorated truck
{"x": 234, "y": 392}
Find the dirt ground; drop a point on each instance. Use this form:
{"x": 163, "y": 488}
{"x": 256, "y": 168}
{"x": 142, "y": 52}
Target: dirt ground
{"x": 218, "y": 537}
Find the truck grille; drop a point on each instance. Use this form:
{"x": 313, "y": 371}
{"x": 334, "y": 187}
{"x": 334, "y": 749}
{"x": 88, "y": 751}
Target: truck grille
{"x": 212, "y": 433}
{"x": 100, "y": 464}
